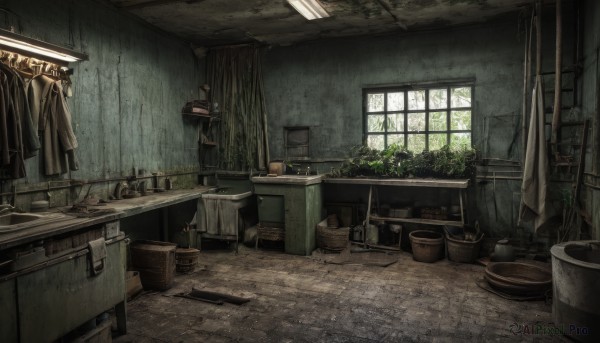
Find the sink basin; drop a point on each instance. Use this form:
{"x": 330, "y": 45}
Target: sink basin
{"x": 289, "y": 179}
{"x": 11, "y": 222}
{"x": 17, "y": 218}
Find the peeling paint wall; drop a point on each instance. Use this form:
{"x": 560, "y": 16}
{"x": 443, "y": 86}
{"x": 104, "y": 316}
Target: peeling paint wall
{"x": 320, "y": 84}
{"x": 591, "y": 106}
{"x": 127, "y": 97}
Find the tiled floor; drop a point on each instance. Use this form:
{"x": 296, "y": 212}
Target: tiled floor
{"x": 304, "y": 299}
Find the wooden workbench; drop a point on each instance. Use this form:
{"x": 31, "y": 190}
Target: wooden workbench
{"x": 50, "y": 295}
{"x": 123, "y": 208}
{"x": 458, "y": 184}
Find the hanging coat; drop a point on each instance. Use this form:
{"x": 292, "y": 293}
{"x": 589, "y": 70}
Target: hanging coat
{"x": 58, "y": 136}
{"x": 38, "y": 89}
{"x": 535, "y": 172}
{"x": 19, "y": 138}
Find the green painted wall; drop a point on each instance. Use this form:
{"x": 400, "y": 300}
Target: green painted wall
{"x": 319, "y": 84}
{"x": 127, "y": 97}
{"x": 591, "y": 105}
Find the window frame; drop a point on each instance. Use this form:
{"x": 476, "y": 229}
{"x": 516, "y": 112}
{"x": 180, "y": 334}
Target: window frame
{"x": 288, "y": 146}
{"x": 427, "y": 87}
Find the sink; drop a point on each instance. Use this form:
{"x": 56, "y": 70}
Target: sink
{"x": 289, "y": 179}
{"x": 11, "y": 222}
{"x": 17, "y": 218}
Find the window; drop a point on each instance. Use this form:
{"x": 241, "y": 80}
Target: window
{"x": 418, "y": 118}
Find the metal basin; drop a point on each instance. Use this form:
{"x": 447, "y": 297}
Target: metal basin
{"x": 11, "y": 222}
{"x": 589, "y": 252}
{"x": 518, "y": 278}
{"x": 576, "y": 280}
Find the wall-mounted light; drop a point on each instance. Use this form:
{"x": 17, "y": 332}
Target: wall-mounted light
{"x": 37, "y": 48}
{"x": 310, "y": 9}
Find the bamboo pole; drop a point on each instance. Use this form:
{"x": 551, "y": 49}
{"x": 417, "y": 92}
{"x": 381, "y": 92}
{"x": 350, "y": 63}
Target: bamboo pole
{"x": 526, "y": 83}
{"x": 236, "y": 77}
{"x": 557, "y": 81}
{"x": 538, "y": 38}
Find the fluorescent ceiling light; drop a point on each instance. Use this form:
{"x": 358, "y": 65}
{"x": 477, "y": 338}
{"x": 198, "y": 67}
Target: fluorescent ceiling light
{"x": 310, "y": 9}
{"x": 24, "y": 45}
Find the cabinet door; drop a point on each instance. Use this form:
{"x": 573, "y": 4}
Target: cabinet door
{"x": 8, "y": 311}
{"x": 271, "y": 210}
{"x": 57, "y": 299}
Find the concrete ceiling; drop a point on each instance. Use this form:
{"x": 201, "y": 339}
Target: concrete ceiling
{"x": 224, "y": 22}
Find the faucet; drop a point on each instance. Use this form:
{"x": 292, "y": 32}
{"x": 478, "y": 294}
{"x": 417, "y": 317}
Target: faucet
{"x": 6, "y": 208}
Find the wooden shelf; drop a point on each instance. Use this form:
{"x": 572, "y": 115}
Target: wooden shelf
{"x": 418, "y": 221}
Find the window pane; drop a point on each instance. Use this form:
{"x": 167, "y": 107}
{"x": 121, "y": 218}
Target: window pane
{"x": 375, "y": 123}
{"x": 375, "y": 142}
{"x": 460, "y": 140}
{"x": 460, "y": 120}
{"x": 437, "y": 121}
{"x": 416, "y": 143}
{"x": 398, "y": 139}
{"x": 437, "y": 141}
{"x": 396, "y": 122}
{"x": 416, "y": 122}
{"x": 416, "y": 100}
{"x": 395, "y": 101}
{"x": 461, "y": 97}
{"x": 438, "y": 98}
{"x": 375, "y": 102}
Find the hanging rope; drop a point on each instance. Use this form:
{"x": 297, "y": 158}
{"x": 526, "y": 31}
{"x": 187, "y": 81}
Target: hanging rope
{"x": 235, "y": 78}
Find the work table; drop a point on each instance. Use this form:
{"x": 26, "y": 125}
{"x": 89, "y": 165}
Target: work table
{"x": 122, "y": 208}
{"x": 153, "y": 201}
{"x": 417, "y": 182}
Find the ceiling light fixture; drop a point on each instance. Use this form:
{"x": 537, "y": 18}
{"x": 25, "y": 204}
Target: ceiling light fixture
{"x": 45, "y": 51}
{"x": 310, "y": 9}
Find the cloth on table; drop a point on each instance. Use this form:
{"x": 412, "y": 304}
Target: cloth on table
{"x": 97, "y": 255}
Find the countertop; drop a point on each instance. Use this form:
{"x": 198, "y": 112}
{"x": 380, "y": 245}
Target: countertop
{"x": 290, "y": 179}
{"x": 122, "y": 208}
{"x": 438, "y": 183}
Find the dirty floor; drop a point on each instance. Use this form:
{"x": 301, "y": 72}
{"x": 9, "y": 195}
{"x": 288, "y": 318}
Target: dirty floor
{"x": 306, "y": 299}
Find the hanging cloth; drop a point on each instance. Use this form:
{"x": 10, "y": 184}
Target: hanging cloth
{"x": 59, "y": 139}
{"x": 19, "y": 139}
{"x": 535, "y": 172}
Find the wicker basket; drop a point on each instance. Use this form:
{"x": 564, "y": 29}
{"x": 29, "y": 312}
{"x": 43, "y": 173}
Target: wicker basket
{"x": 156, "y": 263}
{"x": 270, "y": 233}
{"x": 461, "y": 250}
{"x": 333, "y": 238}
{"x": 186, "y": 260}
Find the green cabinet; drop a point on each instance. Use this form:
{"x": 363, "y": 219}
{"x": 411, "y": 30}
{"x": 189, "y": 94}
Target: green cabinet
{"x": 56, "y": 299}
{"x": 302, "y": 207}
{"x": 43, "y": 302}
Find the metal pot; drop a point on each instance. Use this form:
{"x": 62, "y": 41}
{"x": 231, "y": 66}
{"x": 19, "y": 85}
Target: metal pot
{"x": 503, "y": 252}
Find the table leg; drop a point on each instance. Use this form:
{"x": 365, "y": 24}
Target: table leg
{"x": 368, "y": 219}
{"x": 121, "y": 314}
{"x": 462, "y": 212}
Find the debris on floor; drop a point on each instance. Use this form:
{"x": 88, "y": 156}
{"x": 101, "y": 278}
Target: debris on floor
{"x": 212, "y": 297}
